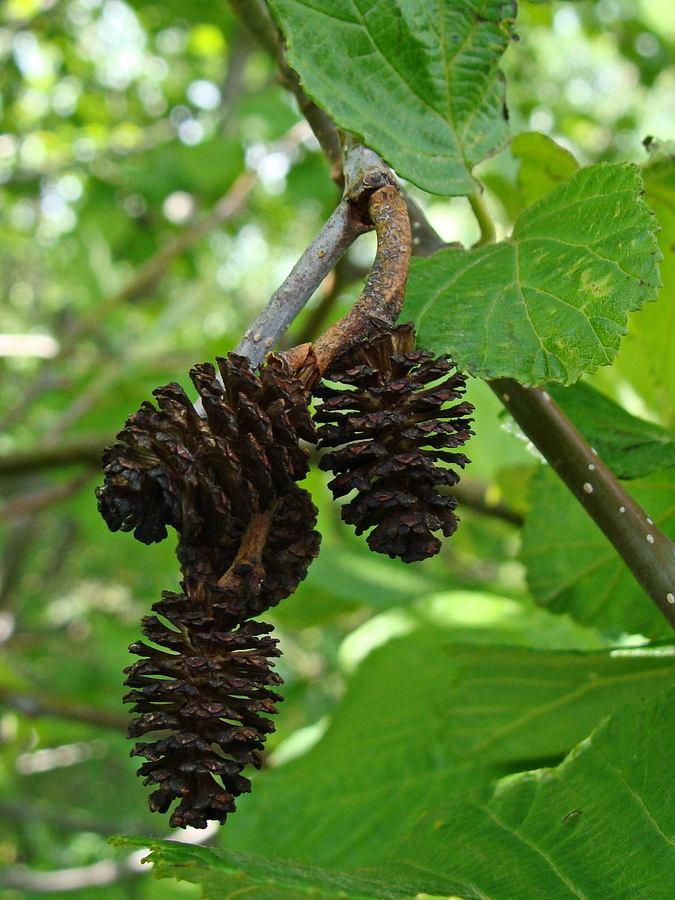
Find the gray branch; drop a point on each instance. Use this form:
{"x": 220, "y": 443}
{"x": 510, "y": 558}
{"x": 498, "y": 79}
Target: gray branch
{"x": 338, "y": 233}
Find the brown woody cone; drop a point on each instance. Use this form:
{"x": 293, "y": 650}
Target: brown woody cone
{"x": 393, "y": 429}
{"x": 203, "y": 688}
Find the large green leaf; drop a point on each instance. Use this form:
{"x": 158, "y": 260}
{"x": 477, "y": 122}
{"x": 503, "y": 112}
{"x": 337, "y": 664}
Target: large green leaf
{"x": 599, "y": 826}
{"x": 419, "y": 82}
{"x": 425, "y": 720}
{"x": 388, "y": 783}
{"x": 630, "y": 446}
{"x": 552, "y": 302}
{"x": 647, "y": 359}
{"x": 572, "y": 567}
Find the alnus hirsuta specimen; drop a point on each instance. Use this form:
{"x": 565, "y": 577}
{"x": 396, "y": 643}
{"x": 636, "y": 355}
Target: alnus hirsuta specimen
{"x": 391, "y": 413}
{"x": 203, "y": 687}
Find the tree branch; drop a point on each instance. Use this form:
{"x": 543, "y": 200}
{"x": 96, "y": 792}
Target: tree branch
{"x": 345, "y": 273}
{"x": 86, "y": 449}
{"x": 257, "y": 18}
{"x": 383, "y": 293}
{"x": 371, "y": 199}
{"x": 29, "y": 504}
{"x": 339, "y": 232}
{"x": 38, "y": 705}
{"x": 646, "y": 550}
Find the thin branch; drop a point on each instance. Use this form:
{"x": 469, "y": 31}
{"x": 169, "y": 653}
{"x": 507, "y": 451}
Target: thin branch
{"x": 257, "y": 18}
{"x": 338, "y": 233}
{"x": 645, "y": 549}
{"x": 371, "y": 199}
{"x": 29, "y": 504}
{"x": 475, "y": 495}
{"x": 344, "y": 274}
{"x": 363, "y": 169}
{"x": 40, "y": 705}
{"x": 383, "y": 293}
{"x": 240, "y": 49}
{"x": 86, "y": 449}
{"x": 154, "y": 268}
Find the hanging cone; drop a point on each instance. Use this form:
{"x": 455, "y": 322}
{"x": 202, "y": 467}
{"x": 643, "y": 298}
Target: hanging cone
{"x": 204, "y": 686}
{"x": 386, "y": 411}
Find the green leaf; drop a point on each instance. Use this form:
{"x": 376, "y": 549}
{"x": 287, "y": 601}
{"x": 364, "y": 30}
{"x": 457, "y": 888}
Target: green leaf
{"x": 572, "y": 567}
{"x": 630, "y": 446}
{"x": 543, "y": 164}
{"x": 426, "y": 719}
{"x": 647, "y": 359}
{"x": 600, "y": 825}
{"x": 562, "y": 829}
{"x": 224, "y": 874}
{"x": 418, "y": 82}
{"x": 552, "y": 302}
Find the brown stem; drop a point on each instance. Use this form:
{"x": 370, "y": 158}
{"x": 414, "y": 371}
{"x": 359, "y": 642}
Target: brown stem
{"x": 257, "y": 18}
{"x": 382, "y": 295}
{"x": 249, "y": 554}
{"x": 338, "y": 233}
{"x": 371, "y": 199}
{"x": 344, "y": 274}
{"x": 645, "y": 549}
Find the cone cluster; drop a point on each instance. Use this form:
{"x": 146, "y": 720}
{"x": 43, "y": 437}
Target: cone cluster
{"x": 391, "y": 414}
{"x": 225, "y": 477}
{"x": 227, "y": 483}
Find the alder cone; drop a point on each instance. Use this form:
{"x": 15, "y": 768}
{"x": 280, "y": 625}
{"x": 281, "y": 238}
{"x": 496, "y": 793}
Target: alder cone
{"x": 208, "y": 693}
{"x": 226, "y": 481}
{"x": 385, "y": 408}
{"x": 206, "y": 475}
